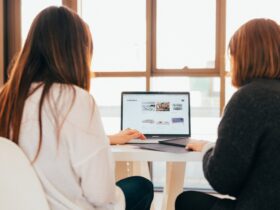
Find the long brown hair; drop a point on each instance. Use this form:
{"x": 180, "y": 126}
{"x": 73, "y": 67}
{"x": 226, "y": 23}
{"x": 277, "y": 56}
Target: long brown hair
{"x": 58, "y": 49}
{"x": 255, "y": 51}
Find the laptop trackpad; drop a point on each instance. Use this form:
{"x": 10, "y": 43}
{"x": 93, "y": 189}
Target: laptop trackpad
{"x": 150, "y": 140}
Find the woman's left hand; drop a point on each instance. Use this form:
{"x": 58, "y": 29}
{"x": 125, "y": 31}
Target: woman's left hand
{"x": 196, "y": 145}
{"x": 126, "y": 135}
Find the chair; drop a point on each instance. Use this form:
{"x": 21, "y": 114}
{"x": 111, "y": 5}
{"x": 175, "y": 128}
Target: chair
{"x": 20, "y": 188}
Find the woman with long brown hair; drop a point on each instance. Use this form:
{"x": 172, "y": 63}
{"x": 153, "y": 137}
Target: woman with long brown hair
{"x": 245, "y": 160}
{"x": 46, "y": 109}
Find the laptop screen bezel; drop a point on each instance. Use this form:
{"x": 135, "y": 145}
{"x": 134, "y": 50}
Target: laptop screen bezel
{"x": 159, "y": 93}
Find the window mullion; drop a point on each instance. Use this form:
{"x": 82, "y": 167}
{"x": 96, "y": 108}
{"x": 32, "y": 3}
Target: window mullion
{"x": 118, "y": 74}
{"x": 220, "y": 47}
{"x": 149, "y": 42}
{"x": 12, "y": 30}
{"x": 1, "y": 43}
{"x": 72, "y": 4}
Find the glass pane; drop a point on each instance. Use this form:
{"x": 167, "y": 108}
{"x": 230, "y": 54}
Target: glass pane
{"x": 29, "y": 9}
{"x": 119, "y": 33}
{"x": 186, "y": 30}
{"x": 204, "y": 97}
{"x": 107, "y": 93}
{"x": 240, "y": 11}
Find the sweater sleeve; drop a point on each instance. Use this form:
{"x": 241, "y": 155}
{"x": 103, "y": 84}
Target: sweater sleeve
{"x": 227, "y": 165}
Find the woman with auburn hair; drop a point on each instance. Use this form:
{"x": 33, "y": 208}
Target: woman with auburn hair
{"x": 46, "y": 108}
{"x": 244, "y": 163}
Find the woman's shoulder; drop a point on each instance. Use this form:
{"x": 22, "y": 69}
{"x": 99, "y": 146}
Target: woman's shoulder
{"x": 63, "y": 99}
{"x": 260, "y": 86}
{"x": 59, "y": 90}
{"x": 72, "y": 95}
{"x": 242, "y": 99}
{"x": 258, "y": 91}
{"x": 257, "y": 95}
{"x": 75, "y": 105}
{"x": 68, "y": 89}
{"x": 249, "y": 93}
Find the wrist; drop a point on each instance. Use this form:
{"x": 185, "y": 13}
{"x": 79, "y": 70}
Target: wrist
{"x": 207, "y": 147}
{"x": 111, "y": 139}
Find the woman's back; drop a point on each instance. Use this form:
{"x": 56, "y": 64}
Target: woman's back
{"x": 262, "y": 186}
{"x": 245, "y": 160}
{"x": 249, "y": 144}
{"x": 45, "y": 108}
{"x": 74, "y": 159}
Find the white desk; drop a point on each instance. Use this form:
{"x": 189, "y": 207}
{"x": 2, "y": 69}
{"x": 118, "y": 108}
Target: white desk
{"x": 133, "y": 161}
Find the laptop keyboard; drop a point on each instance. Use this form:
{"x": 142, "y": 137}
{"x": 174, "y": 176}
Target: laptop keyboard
{"x": 147, "y": 141}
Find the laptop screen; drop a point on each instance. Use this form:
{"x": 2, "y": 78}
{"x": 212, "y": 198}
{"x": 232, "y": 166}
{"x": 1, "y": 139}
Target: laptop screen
{"x": 156, "y": 113}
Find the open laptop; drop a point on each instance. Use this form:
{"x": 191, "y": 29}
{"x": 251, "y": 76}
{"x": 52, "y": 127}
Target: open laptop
{"x": 158, "y": 115}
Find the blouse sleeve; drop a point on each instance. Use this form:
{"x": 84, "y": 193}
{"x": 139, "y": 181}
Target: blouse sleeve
{"x": 90, "y": 152}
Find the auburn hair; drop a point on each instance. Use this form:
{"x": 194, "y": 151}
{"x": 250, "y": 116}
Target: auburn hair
{"x": 58, "y": 49}
{"x": 255, "y": 51}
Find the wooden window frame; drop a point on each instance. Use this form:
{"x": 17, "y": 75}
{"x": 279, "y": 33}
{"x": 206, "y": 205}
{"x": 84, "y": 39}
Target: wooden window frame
{"x": 72, "y": 4}
{"x": 14, "y": 31}
{"x": 151, "y": 69}
{"x": 1, "y": 42}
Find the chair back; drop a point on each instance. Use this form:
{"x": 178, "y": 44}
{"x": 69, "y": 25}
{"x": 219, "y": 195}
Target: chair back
{"x": 20, "y": 188}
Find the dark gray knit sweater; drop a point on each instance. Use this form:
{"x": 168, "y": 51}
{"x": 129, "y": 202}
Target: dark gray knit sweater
{"x": 245, "y": 162}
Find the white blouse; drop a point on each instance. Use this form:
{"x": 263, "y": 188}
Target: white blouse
{"x": 75, "y": 163}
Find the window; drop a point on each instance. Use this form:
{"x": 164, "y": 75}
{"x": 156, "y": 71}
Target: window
{"x": 185, "y": 34}
{"x": 247, "y": 10}
{"x": 204, "y": 96}
{"x": 107, "y": 93}
{"x": 1, "y": 42}
{"x": 29, "y": 12}
{"x": 238, "y": 13}
{"x": 119, "y": 33}
{"x": 163, "y": 45}
{"x": 149, "y": 45}
{"x": 204, "y": 92}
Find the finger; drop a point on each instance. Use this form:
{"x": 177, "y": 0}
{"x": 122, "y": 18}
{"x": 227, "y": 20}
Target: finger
{"x": 142, "y": 136}
{"x": 190, "y": 146}
{"x": 133, "y": 131}
{"x": 136, "y": 134}
{"x": 192, "y": 141}
{"x": 130, "y": 131}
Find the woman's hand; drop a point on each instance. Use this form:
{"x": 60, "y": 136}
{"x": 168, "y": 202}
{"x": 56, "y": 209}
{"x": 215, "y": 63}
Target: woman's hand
{"x": 125, "y": 135}
{"x": 196, "y": 145}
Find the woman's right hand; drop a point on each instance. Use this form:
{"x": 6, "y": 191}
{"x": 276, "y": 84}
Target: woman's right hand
{"x": 125, "y": 135}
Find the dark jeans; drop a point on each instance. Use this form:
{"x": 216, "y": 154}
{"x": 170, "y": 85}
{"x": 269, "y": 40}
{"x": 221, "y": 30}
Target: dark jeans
{"x": 191, "y": 200}
{"x": 138, "y": 192}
